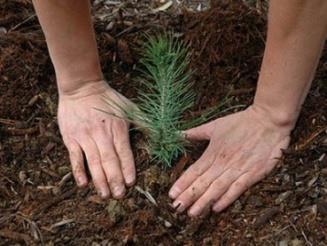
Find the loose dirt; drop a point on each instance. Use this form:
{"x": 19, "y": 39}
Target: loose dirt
{"x": 39, "y": 203}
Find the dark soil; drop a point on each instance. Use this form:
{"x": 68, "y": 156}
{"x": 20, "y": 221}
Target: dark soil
{"x": 39, "y": 203}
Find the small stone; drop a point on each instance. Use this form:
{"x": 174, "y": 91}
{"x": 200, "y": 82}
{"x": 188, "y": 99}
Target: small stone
{"x": 115, "y": 211}
{"x": 167, "y": 224}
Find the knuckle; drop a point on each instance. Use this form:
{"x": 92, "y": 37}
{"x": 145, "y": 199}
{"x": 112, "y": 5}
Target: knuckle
{"x": 77, "y": 169}
{"x": 228, "y": 199}
{"x": 129, "y": 168}
{"x": 196, "y": 170}
{"x": 109, "y": 159}
{"x": 74, "y": 156}
{"x": 126, "y": 155}
{"x": 122, "y": 144}
{"x": 116, "y": 180}
{"x": 239, "y": 184}
{"x": 100, "y": 183}
{"x": 205, "y": 182}
{"x": 192, "y": 192}
{"x": 217, "y": 184}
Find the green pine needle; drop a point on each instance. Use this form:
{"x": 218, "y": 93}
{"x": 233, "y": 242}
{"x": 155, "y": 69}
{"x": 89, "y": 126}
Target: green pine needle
{"x": 164, "y": 97}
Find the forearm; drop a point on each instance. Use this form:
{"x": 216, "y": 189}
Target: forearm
{"x": 297, "y": 30}
{"x": 71, "y": 41}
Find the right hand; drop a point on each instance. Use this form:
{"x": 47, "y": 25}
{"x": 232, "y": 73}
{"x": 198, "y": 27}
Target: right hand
{"x": 103, "y": 138}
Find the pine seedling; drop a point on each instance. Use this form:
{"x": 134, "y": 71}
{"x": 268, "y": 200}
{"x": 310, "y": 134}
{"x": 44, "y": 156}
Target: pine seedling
{"x": 164, "y": 97}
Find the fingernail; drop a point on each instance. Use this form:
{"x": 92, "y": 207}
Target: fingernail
{"x": 118, "y": 191}
{"x": 103, "y": 194}
{"x": 178, "y": 206}
{"x": 80, "y": 181}
{"x": 173, "y": 193}
{"x": 217, "y": 209}
{"x": 193, "y": 212}
{"x": 130, "y": 180}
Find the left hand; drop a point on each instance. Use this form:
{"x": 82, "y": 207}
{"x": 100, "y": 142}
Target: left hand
{"x": 244, "y": 147}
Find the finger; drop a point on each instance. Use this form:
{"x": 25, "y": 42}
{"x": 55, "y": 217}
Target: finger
{"x": 94, "y": 162}
{"x": 196, "y": 189}
{"x": 237, "y": 188}
{"x": 213, "y": 193}
{"x": 123, "y": 149}
{"x": 77, "y": 162}
{"x": 192, "y": 173}
{"x": 110, "y": 161}
{"x": 202, "y": 132}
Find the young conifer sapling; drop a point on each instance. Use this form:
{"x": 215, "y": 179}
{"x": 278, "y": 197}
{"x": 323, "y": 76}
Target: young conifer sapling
{"x": 165, "y": 95}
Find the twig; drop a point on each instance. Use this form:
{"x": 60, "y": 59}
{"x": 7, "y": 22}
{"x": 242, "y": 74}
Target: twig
{"x": 310, "y": 139}
{"x": 21, "y": 23}
{"x": 20, "y": 132}
{"x": 54, "y": 201}
{"x": 61, "y": 223}
{"x": 147, "y": 195}
{"x": 6, "y": 233}
{"x": 305, "y": 238}
{"x": 37, "y": 232}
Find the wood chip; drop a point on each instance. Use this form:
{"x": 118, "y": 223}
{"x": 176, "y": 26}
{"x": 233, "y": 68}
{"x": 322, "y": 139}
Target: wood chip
{"x": 147, "y": 195}
{"x": 163, "y": 7}
{"x": 265, "y": 217}
{"x": 322, "y": 207}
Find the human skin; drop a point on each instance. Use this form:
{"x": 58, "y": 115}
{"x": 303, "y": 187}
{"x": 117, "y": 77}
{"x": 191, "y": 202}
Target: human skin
{"x": 103, "y": 138}
{"x": 244, "y": 147}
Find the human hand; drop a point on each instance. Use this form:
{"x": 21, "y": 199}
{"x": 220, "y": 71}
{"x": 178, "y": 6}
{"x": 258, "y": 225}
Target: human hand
{"x": 103, "y": 138}
{"x": 244, "y": 147}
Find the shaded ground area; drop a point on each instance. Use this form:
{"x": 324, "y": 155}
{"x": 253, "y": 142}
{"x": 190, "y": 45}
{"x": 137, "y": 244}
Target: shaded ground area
{"x": 38, "y": 199}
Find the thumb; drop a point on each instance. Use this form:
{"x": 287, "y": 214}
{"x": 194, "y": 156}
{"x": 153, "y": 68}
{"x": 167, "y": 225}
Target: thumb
{"x": 202, "y": 132}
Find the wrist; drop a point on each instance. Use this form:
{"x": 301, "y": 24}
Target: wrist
{"x": 278, "y": 117}
{"x": 83, "y": 88}
{"x": 78, "y": 72}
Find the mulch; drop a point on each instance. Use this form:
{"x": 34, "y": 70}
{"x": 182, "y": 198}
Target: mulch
{"x": 39, "y": 202}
